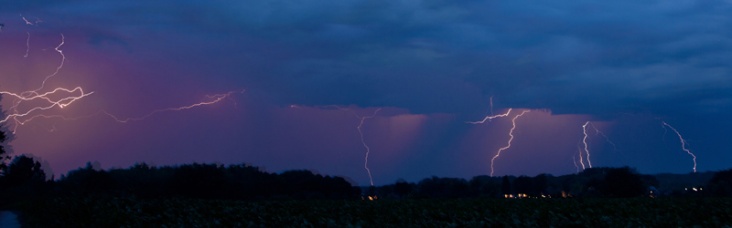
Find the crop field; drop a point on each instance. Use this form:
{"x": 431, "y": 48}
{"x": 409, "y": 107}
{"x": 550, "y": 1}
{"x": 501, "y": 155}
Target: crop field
{"x": 131, "y": 212}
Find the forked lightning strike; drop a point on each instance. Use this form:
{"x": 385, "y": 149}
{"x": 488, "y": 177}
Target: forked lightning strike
{"x": 55, "y": 97}
{"x": 489, "y": 118}
{"x": 21, "y": 117}
{"x": 586, "y": 144}
{"x": 510, "y": 139}
{"x": 510, "y": 133}
{"x": 683, "y": 144}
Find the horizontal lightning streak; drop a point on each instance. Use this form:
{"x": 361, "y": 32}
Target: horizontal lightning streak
{"x": 214, "y": 99}
{"x": 489, "y": 118}
{"x": 22, "y": 117}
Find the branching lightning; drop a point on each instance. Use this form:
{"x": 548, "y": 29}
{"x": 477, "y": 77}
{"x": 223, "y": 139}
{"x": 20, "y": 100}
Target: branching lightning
{"x": 489, "y": 118}
{"x": 50, "y": 99}
{"x": 683, "y": 144}
{"x": 510, "y": 139}
{"x": 585, "y": 144}
{"x": 510, "y": 133}
{"x": 28, "y": 22}
{"x": 29, "y": 105}
{"x": 603, "y": 135}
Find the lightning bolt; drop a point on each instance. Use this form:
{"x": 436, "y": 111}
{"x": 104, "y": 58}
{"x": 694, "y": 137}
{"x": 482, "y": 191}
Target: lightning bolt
{"x": 27, "y": 39}
{"x": 603, "y": 135}
{"x": 489, "y": 118}
{"x": 491, "y": 103}
{"x": 39, "y": 101}
{"x": 586, "y": 144}
{"x": 27, "y": 45}
{"x": 213, "y": 99}
{"x": 28, "y": 22}
{"x": 584, "y": 141}
{"x": 365, "y": 145}
{"x": 576, "y": 167}
{"x": 362, "y": 121}
{"x": 683, "y": 143}
{"x": 58, "y": 68}
{"x": 510, "y": 139}
{"x": 49, "y": 102}
{"x": 579, "y": 150}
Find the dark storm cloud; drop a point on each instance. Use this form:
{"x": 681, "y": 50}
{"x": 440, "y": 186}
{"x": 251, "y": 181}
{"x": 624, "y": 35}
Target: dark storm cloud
{"x": 590, "y": 57}
{"x": 442, "y": 56}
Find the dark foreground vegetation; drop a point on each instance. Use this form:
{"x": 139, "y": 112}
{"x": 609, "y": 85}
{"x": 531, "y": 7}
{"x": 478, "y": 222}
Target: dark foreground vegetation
{"x": 213, "y": 195}
{"x": 244, "y": 195}
{"x": 468, "y": 212}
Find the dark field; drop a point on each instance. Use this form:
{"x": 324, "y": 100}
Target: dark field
{"x": 591, "y": 212}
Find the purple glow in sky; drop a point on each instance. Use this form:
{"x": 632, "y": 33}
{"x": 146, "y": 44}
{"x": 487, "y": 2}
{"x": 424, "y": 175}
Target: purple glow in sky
{"x": 429, "y": 65}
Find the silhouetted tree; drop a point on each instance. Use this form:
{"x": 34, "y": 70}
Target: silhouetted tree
{"x": 523, "y": 184}
{"x": 436, "y": 187}
{"x": 87, "y": 181}
{"x": 721, "y": 183}
{"x": 622, "y": 182}
{"x": 24, "y": 170}
{"x": 403, "y": 188}
{"x": 485, "y": 185}
{"x": 5, "y": 138}
{"x": 506, "y": 187}
{"x": 199, "y": 181}
{"x": 540, "y": 184}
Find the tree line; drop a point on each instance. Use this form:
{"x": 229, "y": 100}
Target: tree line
{"x": 24, "y": 177}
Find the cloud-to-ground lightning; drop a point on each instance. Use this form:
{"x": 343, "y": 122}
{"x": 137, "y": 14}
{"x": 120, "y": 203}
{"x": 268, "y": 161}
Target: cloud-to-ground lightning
{"x": 576, "y": 167}
{"x": 581, "y": 159}
{"x": 362, "y": 137}
{"x": 584, "y": 142}
{"x": 510, "y": 133}
{"x": 510, "y": 139}
{"x": 683, "y": 144}
{"x": 365, "y": 145}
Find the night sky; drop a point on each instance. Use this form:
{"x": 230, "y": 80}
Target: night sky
{"x": 310, "y": 70}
